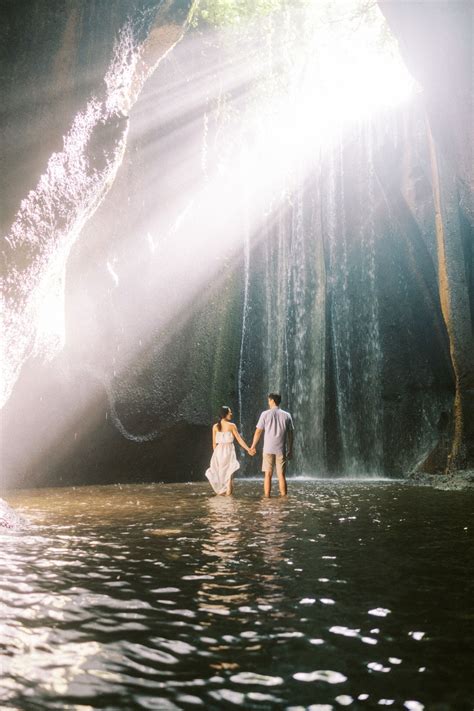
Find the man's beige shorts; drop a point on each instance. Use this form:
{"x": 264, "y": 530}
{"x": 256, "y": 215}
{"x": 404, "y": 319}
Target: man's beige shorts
{"x": 270, "y": 460}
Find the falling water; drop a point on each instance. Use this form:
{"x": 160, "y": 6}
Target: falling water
{"x": 308, "y": 319}
{"x": 276, "y": 305}
{"x": 299, "y": 290}
{"x": 245, "y": 307}
{"x": 319, "y": 259}
{"x": 340, "y": 318}
{"x": 312, "y": 288}
{"x": 371, "y": 376}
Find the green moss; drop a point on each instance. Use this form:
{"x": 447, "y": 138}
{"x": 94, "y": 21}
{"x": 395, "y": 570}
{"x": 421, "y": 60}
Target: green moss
{"x": 220, "y": 13}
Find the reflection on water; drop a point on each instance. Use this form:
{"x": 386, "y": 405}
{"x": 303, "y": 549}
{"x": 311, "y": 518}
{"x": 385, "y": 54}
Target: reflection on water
{"x": 162, "y": 597}
{"x": 219, "y": 590}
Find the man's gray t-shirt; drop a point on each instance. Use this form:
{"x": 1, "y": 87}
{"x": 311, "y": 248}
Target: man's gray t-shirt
{"x": 275, "y": 423}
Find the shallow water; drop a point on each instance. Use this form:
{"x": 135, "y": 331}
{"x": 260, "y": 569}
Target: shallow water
{"x": 163, "y": 597}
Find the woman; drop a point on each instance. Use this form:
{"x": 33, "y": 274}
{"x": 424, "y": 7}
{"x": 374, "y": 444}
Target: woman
{"x": 224, "y": 462}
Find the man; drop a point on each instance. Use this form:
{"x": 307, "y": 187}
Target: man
{"x": 277, "y": 442}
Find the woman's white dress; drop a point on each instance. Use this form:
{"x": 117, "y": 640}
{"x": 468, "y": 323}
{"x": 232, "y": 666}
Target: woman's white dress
{"x": 223, "y": 462}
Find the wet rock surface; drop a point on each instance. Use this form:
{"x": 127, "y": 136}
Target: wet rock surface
{"x": 445, "y": 482}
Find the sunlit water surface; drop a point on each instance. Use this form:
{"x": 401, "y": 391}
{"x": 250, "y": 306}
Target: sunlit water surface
{"x": 164, "y": 597}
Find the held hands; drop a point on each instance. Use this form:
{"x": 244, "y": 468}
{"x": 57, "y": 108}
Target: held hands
{"x": 252, "y": 451}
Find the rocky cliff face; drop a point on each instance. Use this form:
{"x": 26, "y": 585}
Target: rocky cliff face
{"x": 436, "y": 40}
{"x": 174, "y": 304}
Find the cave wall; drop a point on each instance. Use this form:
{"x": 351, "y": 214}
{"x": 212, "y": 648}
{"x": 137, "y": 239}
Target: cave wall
{"x": 54, "y": 57}
{"x": 436, "y": 40}
{"x": 133, "y": 392}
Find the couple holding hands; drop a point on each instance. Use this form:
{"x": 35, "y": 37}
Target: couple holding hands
{"x": 277, "y": 428}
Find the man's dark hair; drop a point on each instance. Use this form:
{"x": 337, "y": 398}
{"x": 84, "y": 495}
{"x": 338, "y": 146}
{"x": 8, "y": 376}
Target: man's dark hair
{"x": 276, "y": 397}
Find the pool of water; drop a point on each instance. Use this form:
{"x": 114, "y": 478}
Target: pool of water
{"x": 164, "y": 597}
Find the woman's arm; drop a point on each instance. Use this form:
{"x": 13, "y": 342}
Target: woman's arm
{"x": 239, "y": 439}
{"x": 214, "y": 437}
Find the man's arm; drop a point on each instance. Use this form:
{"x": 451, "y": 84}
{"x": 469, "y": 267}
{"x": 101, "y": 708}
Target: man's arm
{"x": 256, "y": 437}
{"x": 289, "y": 444}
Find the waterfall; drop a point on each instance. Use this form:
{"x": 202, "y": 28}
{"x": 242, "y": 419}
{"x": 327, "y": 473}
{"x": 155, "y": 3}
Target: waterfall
{"x": 292, "y": 308}
{"x": 276, "y": 277}
{"x": 355, "y": 338}
{"x": 299, "y": 289}
{"x": 308, "y": 323}
{"x": 340, "y": 316}
{"x": 373, "y": 412}
{"x": 320, "y": 258}
{"x": 245, "y": 307}
{"x": 313, "y": 456}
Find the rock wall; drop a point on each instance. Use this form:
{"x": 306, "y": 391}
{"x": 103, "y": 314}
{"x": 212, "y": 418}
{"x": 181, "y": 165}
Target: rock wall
{"x": 175, "y": 305}
{"x": 437, "y": 42}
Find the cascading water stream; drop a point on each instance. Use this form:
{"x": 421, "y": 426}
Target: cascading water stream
{"x": 301, "y": 285}
{"x": 340, "y": 318}
{"x": 373, "y": 416}
{"x": 245, "y": 307}
{"x": 276, "y": 306}
{"x": 309, "y": 307}
{"x": 354, "y": 299}
{"x": 298, "y": 298}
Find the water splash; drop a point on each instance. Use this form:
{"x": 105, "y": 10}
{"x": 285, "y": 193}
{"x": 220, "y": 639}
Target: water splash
{"x": 10, "y": 518}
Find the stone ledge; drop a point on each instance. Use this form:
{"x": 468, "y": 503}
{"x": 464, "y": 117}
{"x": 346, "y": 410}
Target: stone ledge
{"x": 445, "y": 482}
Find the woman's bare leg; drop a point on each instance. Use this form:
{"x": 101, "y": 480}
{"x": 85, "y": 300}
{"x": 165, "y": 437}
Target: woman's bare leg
{"x": 230, "y": 487}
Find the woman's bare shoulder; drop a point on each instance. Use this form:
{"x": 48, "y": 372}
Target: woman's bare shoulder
{"x": 228, "y": 426}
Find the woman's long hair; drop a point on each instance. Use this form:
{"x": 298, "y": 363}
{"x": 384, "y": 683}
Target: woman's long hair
{"x": 223, "y": 412}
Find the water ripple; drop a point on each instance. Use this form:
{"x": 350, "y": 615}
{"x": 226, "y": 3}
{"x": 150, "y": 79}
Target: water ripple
{"x": 259, "y": 679}
{"x": 212, "y": 603}
{"x": 331, "y": 677}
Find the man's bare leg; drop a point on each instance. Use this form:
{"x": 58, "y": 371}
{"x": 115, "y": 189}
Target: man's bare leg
{"x": 267, "y": 483}
{"x": 282, "y": 484}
